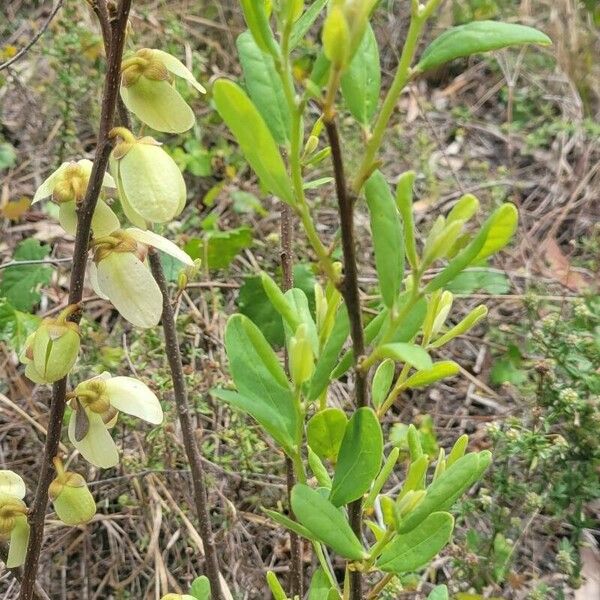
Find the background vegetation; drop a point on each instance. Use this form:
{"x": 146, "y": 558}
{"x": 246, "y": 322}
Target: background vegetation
{"x": 520, "y": 126}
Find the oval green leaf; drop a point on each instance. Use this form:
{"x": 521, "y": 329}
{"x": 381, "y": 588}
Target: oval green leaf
{"x": 264, "y": 86}
{"x": 254, "y": 137}
{"x": 439, "y": 370}
{"x": 325, "y": 432}
{"x": 359, "y": 458}
{"x": 326, "y": 522}
{"x": 361, "y": 81}
{"x": 411, "y": 551}
{"x": 388, "y": 242}
{"x": 475, "y": 38}
{"x": 403, "y": 352}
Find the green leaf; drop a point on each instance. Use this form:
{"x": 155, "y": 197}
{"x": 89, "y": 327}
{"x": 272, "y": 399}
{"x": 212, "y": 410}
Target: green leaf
{"x": 448, "y": 487}
{"x": 319, "y": 586}
{"x": 404, "y": 202}
{"x": 361, "y": 81}
{"x": 247, "y": 203}
{"x": 502, "y": 227}
{"x": 305, "y": 22}
{"x": 8, "y": 156}
{"x": 20, "y": 284}
{"x": 382, "y": 381}
{"x": 329, "y": 354}
{"x": 359, "y": 458}
{"x": 200, "y": 588}
{"x": 439, "y": 370}
{"x": 218, "y": 249}
{"x": 326, "y": 522}
{"x": 15, "y": 326}
{"x": 276, "y": 589}
{"x": 475, "y": 38}
{"x": 472, "y": 280}
{"x": 412, "y": 322}
{"x": 388, "y": 241}
{"x": 291, "y": 525}
{"x": 414, "y": 355}
{"x": 478, "y": 313}
{"x": 325, "y": 431}
{"x": 255, "y": 304}
{"x": 439, "y": 592}
{"x": 508, "y": 368}
{"x": 264, "y": 390}
{"x": 496, "y": 228}
{"x": 413, "y": 550}
{"x": 254, "y": 138}
{"x": 264, "y": 86}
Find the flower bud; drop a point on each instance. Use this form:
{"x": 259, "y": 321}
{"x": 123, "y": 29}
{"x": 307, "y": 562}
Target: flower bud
{"x": 301, "y": 356}
{"x": 147, "y": 91}
{"x": 336, "y": 38}
{"x": 52, "y": 350}
{"x": 13, "y": 517}
{"x": 71, "y": 498}
{"x": 150, "y": 184}
{"x": 68, "y": 186}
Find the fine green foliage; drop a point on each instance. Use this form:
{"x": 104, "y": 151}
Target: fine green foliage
{"x": 475, "y": 38}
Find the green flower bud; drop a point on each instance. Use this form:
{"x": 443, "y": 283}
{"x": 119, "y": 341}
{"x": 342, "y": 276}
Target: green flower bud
{"x": 53, "y": 348}
{"x": 147, "y": 91}
{"x": 301, "y": 356}
{"x": 71, "y": 498}
{"x": 150, "y": 184}
{"x": 336, "y": 38}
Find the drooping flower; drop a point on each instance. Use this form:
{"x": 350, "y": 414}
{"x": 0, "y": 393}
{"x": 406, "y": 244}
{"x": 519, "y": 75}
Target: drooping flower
{"x": 148, "y": 92}
{"x": 52, "y": 349}
{"x": 71, "y": 498}
{"x": 13, "y": 517}
{"x": 119, "y": 273}
{"x": 67, "y": 187}
{"x": 150, "y": 184}
{"x": 96, "y": 404}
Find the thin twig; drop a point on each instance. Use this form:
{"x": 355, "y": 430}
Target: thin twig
{"x": 41, "y": 261}
{"x": 351, "y": 294}
{"x": 187, "y": 429}
{"x": 33, "y": 40}
{"x": 39, "y": 592}
{"x": 82, "y": 236}
{"x": 287, "y": 234}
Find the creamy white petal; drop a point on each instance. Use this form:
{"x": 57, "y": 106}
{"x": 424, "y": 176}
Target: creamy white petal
{"x": 158, "y": 241}
{"x": 135, "y": 218}
{"x": 93, "y": 274}
{"x": 175, "y": 66}
{"x": 131, "y": 288}
{"x": 67, "y": 216}
{"x": 17, "y": 547}
{"x": 104, "y": 221}
{"x": 159, "y": 105}
{"x": 152, "y": 183}
{"x": 135, "y": 398}
{"x": 12, "y": 484}
{"x": 97, "y": 447}
{"x": 47, "y": 186}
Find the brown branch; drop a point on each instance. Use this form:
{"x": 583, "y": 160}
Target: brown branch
{"x": 34, "y": 39}
{"x": 351, "y": 294}
{"x": 39, "y": 593}
{"x": 187, "y": 429}
{"x": 287, "y": 267}
{"x": 82, "y": 236}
